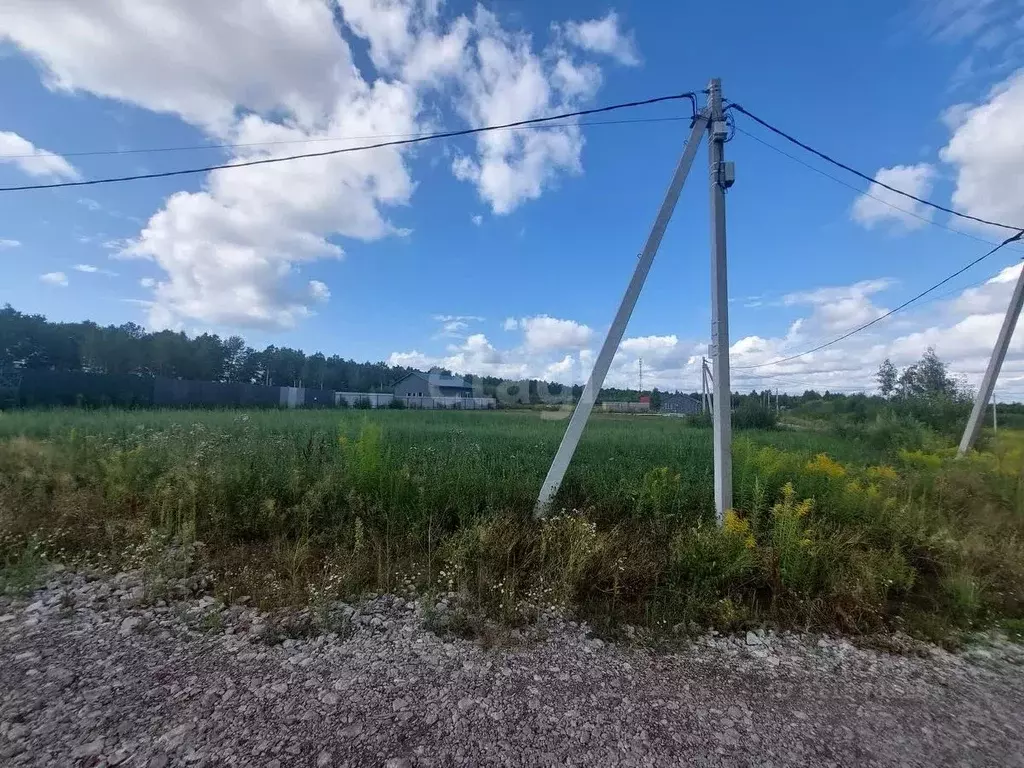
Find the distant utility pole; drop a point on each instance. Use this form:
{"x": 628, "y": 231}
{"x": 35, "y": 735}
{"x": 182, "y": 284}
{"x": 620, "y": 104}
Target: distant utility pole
{"x": 722, "y": 175}
{"x": 707, "y": 379}
{"x": 641, "y": 361}
{"x": 705, "y": 405}
{"x": 988, "y": 381}
{"x": 578, "y": 421}
{"x": 995, "y": 416}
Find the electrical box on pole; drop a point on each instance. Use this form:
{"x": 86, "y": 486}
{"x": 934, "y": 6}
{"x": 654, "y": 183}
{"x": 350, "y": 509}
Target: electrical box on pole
{"x": 722, "y": 176}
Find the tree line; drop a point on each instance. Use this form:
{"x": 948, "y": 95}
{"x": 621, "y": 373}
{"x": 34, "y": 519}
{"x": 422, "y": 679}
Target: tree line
{"x": 924, "y": 390}
{"x": 32, "y": 342}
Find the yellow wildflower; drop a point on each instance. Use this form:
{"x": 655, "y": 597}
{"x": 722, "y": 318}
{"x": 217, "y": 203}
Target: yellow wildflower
{"x": 826, "y": 465}
{"x": 734, "y": 524}
{"x": 882, "y": 472}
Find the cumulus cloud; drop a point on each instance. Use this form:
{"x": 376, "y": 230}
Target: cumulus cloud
{"x": 28, "y": 158}
{"x": 231, "y": 252}
{"x": 840, "y": 308}
{"x": 962, "y": 328}
{"x": 510, "y": 324}
{"x": 881, "y": 205}
{"x": 543, "y": 332}
{"x": 8, "y": 243}
{"x": 507, "y": 82}
{"x": 987, "y": 154}
{"x": 604, "y": 36}
{"x": 318, "y": 291}
{"x": 55, "y": 278}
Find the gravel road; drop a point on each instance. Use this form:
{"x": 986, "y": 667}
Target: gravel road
{"x": 92, "y": 675}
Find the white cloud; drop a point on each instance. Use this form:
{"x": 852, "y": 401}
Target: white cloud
{"x": 198, "y": 60}
{"x": 475, "y": 355}
{"x": 885, "y": 205}
{"x": 505, "y": 82}
{"x": 467, "y": 318}
{"x": 559, "y": 370}
{"x": 318, "y": 291}
{"x": 7, "y": 243}
{"x": 93, "y": 269}
{"x": 89, "y": 203}
{"x": 987, "y": 152}
{"x": 55, "y": 278}
{"x": 962, "y": 329}
{"x": 837, "y": 309}
{"x": 544, "y": 332}
{"x": 573, "y": 80}
{"x": 603, "y": 36}
{"x": 510, "y": 324}
{"x": 478, "y": 219}
{"x": 247, "y": 71}
{"x": 147, "y": 282}
{"x": 27, "y": 157}
{"x": 455, "y": 326}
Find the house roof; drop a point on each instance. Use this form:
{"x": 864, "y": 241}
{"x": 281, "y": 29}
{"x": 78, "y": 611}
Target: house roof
{"x": 448, "y": 382}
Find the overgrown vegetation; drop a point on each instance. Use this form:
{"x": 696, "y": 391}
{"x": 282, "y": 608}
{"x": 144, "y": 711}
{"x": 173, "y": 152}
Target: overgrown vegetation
{"x": 860, "y": 532}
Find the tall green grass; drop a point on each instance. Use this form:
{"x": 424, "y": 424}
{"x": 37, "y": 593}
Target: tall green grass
{"x": 828, "y": 531}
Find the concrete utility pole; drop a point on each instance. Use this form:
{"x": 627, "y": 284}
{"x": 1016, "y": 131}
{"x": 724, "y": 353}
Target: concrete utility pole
{"x": 988, "y": 382}
{"x": 722, "y": 176}
{"x": 611, "y": 343}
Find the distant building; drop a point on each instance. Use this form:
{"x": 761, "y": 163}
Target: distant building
{"x": 417, "y": 384}
{"x": 681, "y": 404}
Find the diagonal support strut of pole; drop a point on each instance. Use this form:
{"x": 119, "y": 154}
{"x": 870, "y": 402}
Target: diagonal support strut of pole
{"x": 581, "y": 414}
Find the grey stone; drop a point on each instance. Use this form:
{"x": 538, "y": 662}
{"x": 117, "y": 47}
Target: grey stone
{"x": 129, "y": 625}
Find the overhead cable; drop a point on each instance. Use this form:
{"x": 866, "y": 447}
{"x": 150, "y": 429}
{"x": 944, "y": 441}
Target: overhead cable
{"x": 864, "y": 176}
{"x": 379, "y": 145}
{"x": 323, "y": 139}
{"x": 859, "y": 191}
{"x": 891, "y": 312}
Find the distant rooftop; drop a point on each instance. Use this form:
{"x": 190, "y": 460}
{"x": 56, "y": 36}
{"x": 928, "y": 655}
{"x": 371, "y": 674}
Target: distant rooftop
{"x": 437, "y": 380}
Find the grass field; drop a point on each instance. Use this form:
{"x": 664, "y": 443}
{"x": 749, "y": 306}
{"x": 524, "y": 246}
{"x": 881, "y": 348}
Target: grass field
{"x": 829, "y": 531}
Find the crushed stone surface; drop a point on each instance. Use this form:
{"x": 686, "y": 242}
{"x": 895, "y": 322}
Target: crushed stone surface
{"x": 93, "y": 673}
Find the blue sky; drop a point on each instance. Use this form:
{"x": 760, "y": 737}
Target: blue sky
{"x": 508, "y": 255}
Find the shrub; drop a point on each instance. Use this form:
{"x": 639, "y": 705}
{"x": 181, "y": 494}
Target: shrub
{"x": 363, "y": 403}
{"x": 753, "y": 416}
{"x": 396, "y": 404}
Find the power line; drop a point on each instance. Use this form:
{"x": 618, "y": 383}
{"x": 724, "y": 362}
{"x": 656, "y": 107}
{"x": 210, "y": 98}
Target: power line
{"x": 891, "y": 312}
{"x": 344, "y": 150}
{"x": 864, "y": 176}
{"x": 942, "y": 295}
{"x": 856, "y": 189}
{"x": 199, "y": 147}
